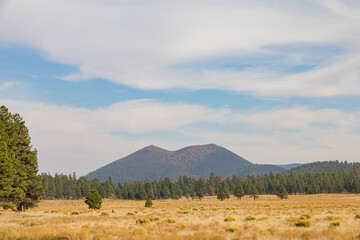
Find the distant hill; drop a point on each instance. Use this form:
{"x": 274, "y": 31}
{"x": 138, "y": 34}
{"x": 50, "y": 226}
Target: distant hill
{"x": 152, "y": 163}
{"x": 289, "y": 166}
{"x": 325, "y": 166}
{"x": 259, "y": 169}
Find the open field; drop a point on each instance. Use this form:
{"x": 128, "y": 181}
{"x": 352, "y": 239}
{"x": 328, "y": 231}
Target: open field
{"x": 266, "y": 218}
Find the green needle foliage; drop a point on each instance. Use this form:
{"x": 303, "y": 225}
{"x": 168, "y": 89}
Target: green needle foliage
{"x": 148, "y": 203}
{"x": 93, "y": 199}
{"x": 281, "y": 192}
{"x": 20, "y": 186}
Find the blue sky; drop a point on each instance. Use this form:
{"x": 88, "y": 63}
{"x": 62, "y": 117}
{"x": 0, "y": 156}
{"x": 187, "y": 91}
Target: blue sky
{"x": 275, "y": 83}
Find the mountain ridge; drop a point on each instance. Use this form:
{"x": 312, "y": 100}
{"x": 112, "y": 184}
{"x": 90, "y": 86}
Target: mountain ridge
{"x": 153, "y": 162}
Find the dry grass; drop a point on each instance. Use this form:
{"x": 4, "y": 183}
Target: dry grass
{"x": 189, "y": 219}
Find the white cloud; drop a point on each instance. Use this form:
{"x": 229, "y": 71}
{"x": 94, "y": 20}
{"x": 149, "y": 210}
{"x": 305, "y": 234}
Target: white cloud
{"x": 70, "y": 138}
{"x": 135, "y": 42}
{"x": 6, "y": 85}
{"x": 77, "y": 138}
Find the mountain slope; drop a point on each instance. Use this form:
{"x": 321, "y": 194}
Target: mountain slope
{"x": 258, "y": 169}
{"x": 325, "y": 166}
{"x": 151, "y": 163}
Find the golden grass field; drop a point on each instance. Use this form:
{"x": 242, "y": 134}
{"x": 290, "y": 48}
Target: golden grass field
{"x": 266, "y": 218}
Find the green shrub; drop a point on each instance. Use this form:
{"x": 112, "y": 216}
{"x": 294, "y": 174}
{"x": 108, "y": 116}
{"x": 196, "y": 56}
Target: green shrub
{"x": 303, "y": 223}
{"x": 8, "y": 205}
{"x": 148, "y": 203}
{"x": 154, "y": 218}
{"x": 229, "y": 219}
{"x": 142, "y": 220}
{"x": 75, "y": 212}
{"x": 93, "y": 199}
{"x": 250, "y": 218}
{"x": 335, "y": 224}
{"x": 305, "y": 216}
{"x": 139, "y": 231}
{"x": 232, "y": 229}
{"x": 170, "y": 220}
{"x": 104, "y": 214}
{"x": 181, "y": 225}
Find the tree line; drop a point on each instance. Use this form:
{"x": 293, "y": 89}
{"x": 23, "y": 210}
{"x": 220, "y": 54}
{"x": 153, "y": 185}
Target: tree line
{"x": 63, "y": 186}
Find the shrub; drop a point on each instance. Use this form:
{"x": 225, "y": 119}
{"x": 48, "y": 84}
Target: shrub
{"x": 130, "y": 213}
{"x": 93, "y": 199}
{"x": 303, "y": 223}
{"x": 170, "y": 220}
{"x": 75, "y": 212}
{"x": 332, "y": 218}
{"x": 232, "y": 229}
{"x": 113, "y": 211}
{"x": 357, "y": 215}
{"x": 263, "y": 218}
{"x": 142, "y": 220}
{"x": 154, "y": 218}
{"x": 148, "y": 203}
{"x": 335, "y": 224}
{"x": 184, "y": 211}
{"x": 104, "y": 214}
{"x": 229, "y": 219}
{"x": 139, "y": 231}
{"x": 8, "y": 205}
{"x": 181, "y": 225}
{"x": 250, "y": 218}
{"x": 305, "y": 216}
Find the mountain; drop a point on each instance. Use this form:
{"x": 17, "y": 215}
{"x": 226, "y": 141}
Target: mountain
{"x": 325, "y": 166}
{"x": 152, "y": 163}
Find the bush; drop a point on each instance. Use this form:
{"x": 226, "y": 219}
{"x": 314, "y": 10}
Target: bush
{"x": 8, "y": 205}
{"x": 232, "y": 229}
{"x": 104, "y": 214}
{"x": 148, "y": 203}
{"x": 303, "y": 223}
{"x": 357, "y": 215}
{"x": 75, "y": 212}
{"x": 154, "y": 218}
{"x": 250, "y": 218}
{"x": 305, "y": 216}
{"x": 181, "y": 225}
{"x": 93, "y": 199}
{"x": 130, "y": 213}
{"x": 139, "y": 231}
{"x": 170, "y": 220}
{"x": 229, "y": 219}
{"x": 142, "y": 220}
{"x": 335, "y": 224}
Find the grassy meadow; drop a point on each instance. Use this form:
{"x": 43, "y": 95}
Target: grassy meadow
{"x": 331, "y": 217}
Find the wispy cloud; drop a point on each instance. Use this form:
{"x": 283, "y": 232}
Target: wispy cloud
{"x": 136, "y": 43}
{"x": 6, "y": 85}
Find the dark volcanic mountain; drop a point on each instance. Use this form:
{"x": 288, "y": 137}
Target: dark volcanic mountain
{"x": 151, "y": 163}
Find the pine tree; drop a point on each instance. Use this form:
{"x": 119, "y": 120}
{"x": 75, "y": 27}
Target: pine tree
{"x": 281, "y": 192}
{"x": 254, "y": 192}
{"x": 24, "y": 159}
{"x": 148, "y": 203}
{"x": 93, "y": 199}
{"x": 239, "y": 191}
{"x": 221, "y": 196}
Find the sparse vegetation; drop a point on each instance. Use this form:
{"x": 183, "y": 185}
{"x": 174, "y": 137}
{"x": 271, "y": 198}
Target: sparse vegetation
{"x": 275, "y": 222}
{"x": 229, "y": 219}
{"x": 303, "y": 223}
{"x": 335, "y": 224}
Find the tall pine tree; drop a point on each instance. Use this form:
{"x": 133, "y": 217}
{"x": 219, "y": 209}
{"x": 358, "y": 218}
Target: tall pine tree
{"x": 23, "y": 159}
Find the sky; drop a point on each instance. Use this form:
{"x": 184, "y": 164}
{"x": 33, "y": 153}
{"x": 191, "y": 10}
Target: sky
{"x": 276, "y": 82}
